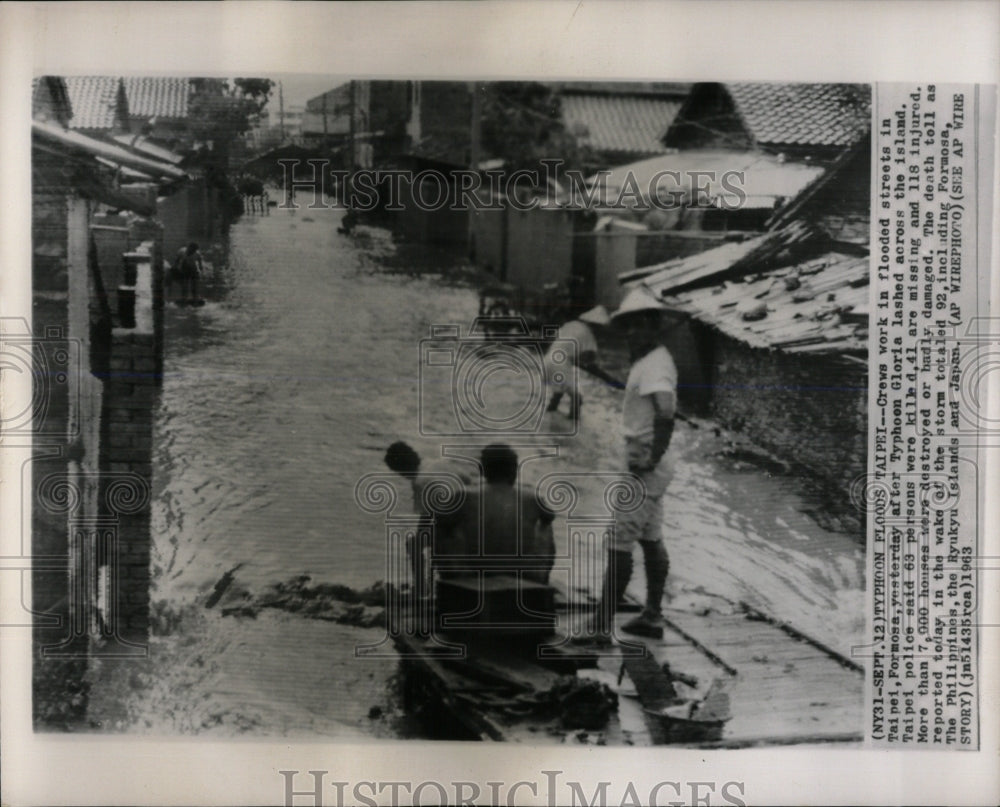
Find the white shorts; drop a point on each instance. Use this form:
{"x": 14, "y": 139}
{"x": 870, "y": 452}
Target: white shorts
{"x": 645, "y": 523}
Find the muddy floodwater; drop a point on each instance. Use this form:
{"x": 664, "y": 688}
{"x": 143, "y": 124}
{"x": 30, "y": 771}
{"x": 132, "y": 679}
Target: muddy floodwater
{"x": 283, "y": 391}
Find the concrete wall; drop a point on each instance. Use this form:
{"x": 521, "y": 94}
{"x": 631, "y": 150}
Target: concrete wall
{"x": 811, "y": 410}
{"x": 615, "y": 250}
{"x": 437, "y": 222}
{"x": 487, "y": 229}
{"x": 126, "y": 461}
{"x": 539, "y": 247}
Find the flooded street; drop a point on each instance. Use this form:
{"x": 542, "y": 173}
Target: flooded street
{"x": 281, "y": 393}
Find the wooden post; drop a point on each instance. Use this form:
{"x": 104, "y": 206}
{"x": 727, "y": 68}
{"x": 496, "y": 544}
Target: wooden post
{"x": 281, "y": 113}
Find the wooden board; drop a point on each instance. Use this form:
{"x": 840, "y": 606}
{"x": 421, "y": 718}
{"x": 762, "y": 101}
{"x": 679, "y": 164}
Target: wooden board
{"x": 785, "y": 690}
{"x": 782, "y": 689}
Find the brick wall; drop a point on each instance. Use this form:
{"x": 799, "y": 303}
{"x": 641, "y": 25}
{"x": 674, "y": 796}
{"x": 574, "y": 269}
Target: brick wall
{"x": 810, "y": 410}
{"x": 129, "y": 407}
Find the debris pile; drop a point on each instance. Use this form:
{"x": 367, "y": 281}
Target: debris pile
{"x": 334, "y": 602}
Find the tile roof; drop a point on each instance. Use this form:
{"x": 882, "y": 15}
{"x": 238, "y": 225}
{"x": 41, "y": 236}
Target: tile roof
{"x": 815, "y": 307}
{"x": 157, "y": 96}
{"x": 46, "y": 90}
{"x": 803, "y": 114}
{"x": 623, "y": 123}
{"x": 93, "y": 100}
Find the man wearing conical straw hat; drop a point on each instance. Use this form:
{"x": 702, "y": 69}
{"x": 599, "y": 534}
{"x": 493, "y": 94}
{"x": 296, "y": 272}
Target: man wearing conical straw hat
{"x": 648, "y": 412}
{"x": 557, "y": 379}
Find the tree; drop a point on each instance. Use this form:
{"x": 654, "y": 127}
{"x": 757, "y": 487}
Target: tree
{"x": 219, "y": 114}
{"x": 522, "y": 124}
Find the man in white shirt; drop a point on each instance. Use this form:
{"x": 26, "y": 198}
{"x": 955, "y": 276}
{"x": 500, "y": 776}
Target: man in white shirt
{"x": 647, "y": 423}
{"x": 561, "y": 378}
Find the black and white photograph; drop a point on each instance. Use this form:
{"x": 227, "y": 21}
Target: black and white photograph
{"x": 394, "y": 410}
{"x": 627, "y": 376}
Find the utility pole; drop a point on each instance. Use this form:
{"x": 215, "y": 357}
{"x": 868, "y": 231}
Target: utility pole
{"x": 350, "y": 144}
{"x": 281, "y": 113}
{"x": 475, "y": 147}
{"x": 326, "y": 136}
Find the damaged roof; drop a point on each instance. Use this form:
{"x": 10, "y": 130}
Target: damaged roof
{"x": 818, "y": 306}
{"x": 730, "y": 259}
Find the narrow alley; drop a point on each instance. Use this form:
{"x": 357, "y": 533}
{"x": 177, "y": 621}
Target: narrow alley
{"x": 282, "y": 392}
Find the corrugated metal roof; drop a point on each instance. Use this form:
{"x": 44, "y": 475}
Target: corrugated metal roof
{"x": 157, "y": 96}
{"x": 803, "y": 114}
{"x": 623, "y": 123}
{"x": 93, "y": 100}
{"x": 763, "y": 179}
{"x": 811, "y": 307}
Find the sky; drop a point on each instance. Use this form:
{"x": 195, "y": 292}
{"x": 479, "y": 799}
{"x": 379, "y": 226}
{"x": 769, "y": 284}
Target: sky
{"x": 300, "y": 87}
